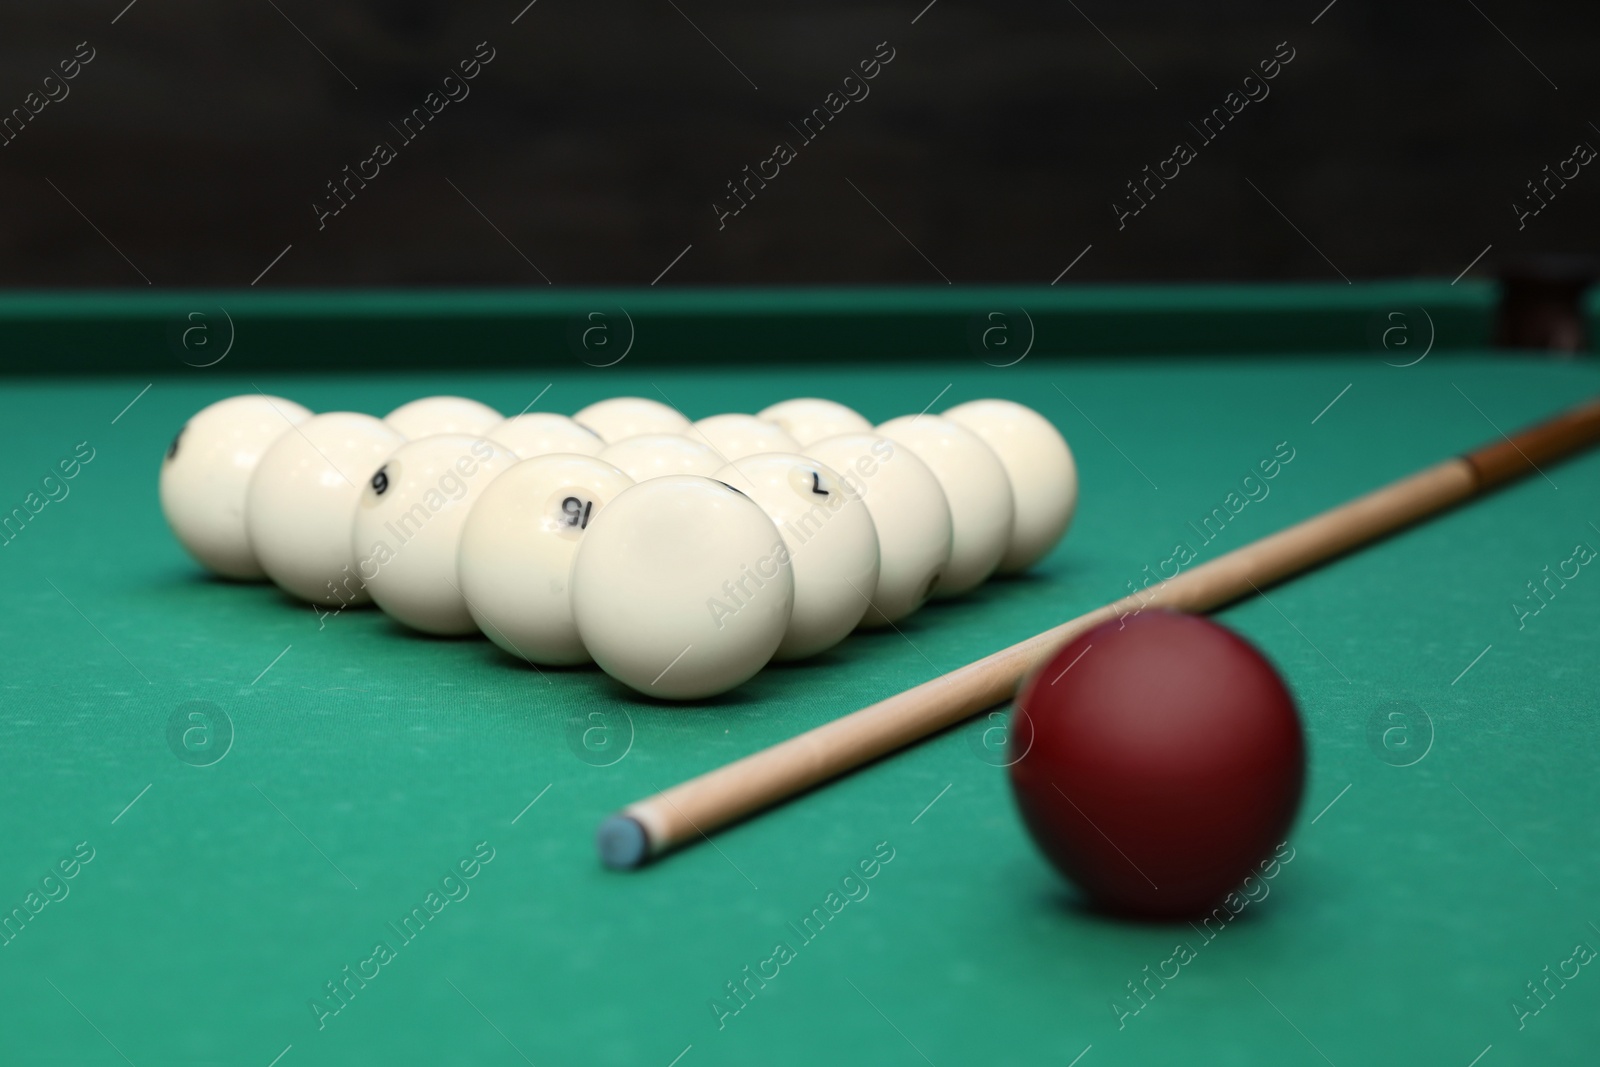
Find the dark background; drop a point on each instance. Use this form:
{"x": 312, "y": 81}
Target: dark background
{"x": 599, "y": 137}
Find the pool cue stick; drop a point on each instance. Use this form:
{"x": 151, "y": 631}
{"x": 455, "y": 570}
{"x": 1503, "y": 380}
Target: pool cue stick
{"x": 676, "y": 816}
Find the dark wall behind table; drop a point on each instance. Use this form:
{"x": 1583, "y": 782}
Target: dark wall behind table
{"x": 191, "y": 149}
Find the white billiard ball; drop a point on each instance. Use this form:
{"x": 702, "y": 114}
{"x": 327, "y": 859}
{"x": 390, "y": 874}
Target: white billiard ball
{"x": 517, "y": 548}
{"x": 734, "y": 437}
{"x": 809, "y": 419}
{"x": 408, "y": 527}
{"x": 622, "y": 417}
{"x": 302, "y": 504}
{"x": 909, "y": 512}
{"x": 1044, "y": 478}
{"x": 542, "y": 432}
{"x": 833, "y": 545}
{"x": 977, "y": 488}
{"x": 443, "y": 414}
{"x": 682, "y": 588}
{"x": 206, "y": 476}
{"x": 656, "y": 455}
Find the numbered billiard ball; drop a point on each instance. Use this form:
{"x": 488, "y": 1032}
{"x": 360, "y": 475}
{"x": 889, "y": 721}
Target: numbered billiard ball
{"x": 622, "y": 417}
{"x": 1044, "y": 477}
{"x": 302, "y": 502}
{"x": 656, "y": 455}
{"x": 540, "y": 433}
{"x": 205, "y": 477}
{"x": 833, "y": 545}
{"x": 408, "y": 527}
{"x": 682, "y": 588}
{"x": 908, "y": 511}
{"x": 734, "y": 437}
{"x": 974, "y": 481}
{"x": 809, "y": 419}
{"x": 443, "y": 414}
{"x": 1167, "y": 761}
{"x": 517, "y": 548}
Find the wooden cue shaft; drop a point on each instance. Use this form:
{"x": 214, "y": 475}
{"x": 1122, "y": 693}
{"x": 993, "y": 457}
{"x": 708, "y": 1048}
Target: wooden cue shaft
{"x": 657, "y": 824}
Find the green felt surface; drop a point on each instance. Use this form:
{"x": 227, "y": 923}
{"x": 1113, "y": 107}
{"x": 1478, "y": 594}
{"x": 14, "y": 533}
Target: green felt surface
{"x": 367, "y": 761}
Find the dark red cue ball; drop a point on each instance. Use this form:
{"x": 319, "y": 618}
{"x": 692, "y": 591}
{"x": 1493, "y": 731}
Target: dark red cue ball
{"x": 1167, "y": 760}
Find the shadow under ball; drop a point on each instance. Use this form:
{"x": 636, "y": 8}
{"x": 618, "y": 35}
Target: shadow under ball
{"x": 1166, "y": 761}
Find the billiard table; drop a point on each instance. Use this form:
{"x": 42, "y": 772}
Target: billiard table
{"x": 243, "y": 830}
